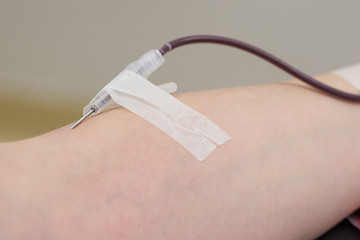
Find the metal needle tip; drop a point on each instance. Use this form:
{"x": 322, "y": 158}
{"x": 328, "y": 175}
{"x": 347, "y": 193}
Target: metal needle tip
{"x": 92, "y": 110}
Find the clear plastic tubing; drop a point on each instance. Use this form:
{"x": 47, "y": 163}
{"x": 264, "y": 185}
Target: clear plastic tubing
{"x": 144, "y": 66}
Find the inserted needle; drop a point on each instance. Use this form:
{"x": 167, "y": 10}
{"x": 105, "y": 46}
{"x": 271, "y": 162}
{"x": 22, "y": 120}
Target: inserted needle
{"x": 92, "y": 110}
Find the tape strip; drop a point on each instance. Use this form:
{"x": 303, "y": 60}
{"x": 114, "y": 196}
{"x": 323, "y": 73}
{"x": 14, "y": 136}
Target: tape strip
{"x": 351, "y": 74}
{"x": 198, "y": 134}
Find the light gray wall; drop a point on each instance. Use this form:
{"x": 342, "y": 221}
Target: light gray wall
{"x": 65, "y": 49}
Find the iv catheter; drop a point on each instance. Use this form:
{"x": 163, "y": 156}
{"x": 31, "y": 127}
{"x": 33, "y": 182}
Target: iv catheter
{"x": 144, "y": 66}
{"x": 153, "y": 59}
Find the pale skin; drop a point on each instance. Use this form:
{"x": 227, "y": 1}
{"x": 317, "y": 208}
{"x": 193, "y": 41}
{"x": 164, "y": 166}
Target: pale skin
{"x": 290, "y": 171}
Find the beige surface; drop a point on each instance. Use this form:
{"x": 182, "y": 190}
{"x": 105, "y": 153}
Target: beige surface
{"x": 22, "y": 119}
{"x": 60, "y": 53}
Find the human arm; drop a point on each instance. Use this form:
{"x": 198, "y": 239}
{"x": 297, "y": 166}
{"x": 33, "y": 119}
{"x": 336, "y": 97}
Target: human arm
{"x": 289, "y": 171}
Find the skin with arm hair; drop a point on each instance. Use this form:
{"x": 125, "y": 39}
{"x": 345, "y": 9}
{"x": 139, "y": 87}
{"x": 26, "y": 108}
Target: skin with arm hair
{"x": 290, "y": 171}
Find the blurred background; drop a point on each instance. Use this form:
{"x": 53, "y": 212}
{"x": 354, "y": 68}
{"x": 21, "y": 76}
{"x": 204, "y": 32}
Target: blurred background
{"x": 56, "y": 55}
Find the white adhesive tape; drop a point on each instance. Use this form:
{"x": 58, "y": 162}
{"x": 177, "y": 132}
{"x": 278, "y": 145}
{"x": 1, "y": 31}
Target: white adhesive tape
{"x": 351, "y": 74}
{"x": 198, "y": 134}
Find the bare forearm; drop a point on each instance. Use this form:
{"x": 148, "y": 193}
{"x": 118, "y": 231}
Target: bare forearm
{"x": 290, "y": 170}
